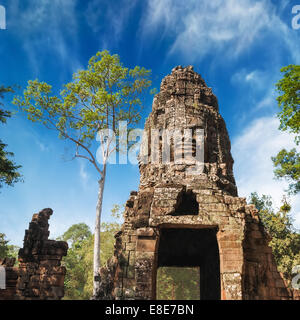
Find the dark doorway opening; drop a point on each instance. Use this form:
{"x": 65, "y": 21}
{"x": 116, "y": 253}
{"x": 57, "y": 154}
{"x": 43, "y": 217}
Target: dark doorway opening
{"x": 193, "y": 248}
{"x": 186, "y": 204}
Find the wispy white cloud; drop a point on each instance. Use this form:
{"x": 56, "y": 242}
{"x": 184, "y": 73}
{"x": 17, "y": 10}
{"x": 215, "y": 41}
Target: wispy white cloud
{"x": 229, "y": 27}
{"x": 253, "y": 168}
{"x": 283, "y": 4}
{"x": 85, "y": 179}
{"x": 256, "y": 79}
{"x": 268, "y": 100}
{"x": 46, "y": 26}
{"x": 43, "y": 147}
{"x": 109, "y": 19}
{"x": 82, "y": 172}
{"x": 257, "y": 89}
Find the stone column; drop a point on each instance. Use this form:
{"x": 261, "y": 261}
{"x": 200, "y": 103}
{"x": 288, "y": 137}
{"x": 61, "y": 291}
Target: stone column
{"x": 145, "y": 263}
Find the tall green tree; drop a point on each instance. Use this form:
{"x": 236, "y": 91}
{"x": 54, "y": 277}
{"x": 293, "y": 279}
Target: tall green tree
{"x": 285, "y": 242}
{"x": 7, "y": 250}
{"x": 79, "y": 261}
{"x": 287, "y": 166}
{"x": 92, "y": 104}
{"x": 287, "y": 163}
{"x": 8, "y": 169}
{"x": 76, "y": 233}
{"x": 3, "y": 246}
{"x": 79, "y": 238}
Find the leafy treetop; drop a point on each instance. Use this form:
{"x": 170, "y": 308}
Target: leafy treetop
{"x": 96, "y": 99}
{"x": 8, "y": 169}
{"x": 289, "y": 100}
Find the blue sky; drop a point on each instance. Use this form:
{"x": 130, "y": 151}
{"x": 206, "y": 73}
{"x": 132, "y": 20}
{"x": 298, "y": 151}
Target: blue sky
{"x": 237, "y": 46}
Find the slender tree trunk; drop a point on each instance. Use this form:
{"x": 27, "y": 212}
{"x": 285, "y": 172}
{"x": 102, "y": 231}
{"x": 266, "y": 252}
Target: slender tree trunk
{"x": 173, "y": 291}
{"x": 96, "y": 282}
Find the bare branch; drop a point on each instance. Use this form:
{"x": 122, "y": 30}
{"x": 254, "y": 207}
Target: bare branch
{"x": 78, "y": 143}
{"x": 84, "y": 157}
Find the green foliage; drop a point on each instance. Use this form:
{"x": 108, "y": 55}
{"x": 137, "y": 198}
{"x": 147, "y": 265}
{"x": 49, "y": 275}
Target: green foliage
{"x": 285, "y": 241}
{"x": 6, "y": 250}
{"x": 8, "y": 169}
{"x": 178, "y": 283}
{"x": 289, "y": 99}
{"x": 76, "y": 233}
{"x": 116, "y": 212}
{"x": 78, "y": 267}
{"x": 79, "y": 261}
{"x": 3, "y": 113}
{"x": 287, "y": 163}
{"x": 13, "y": 252}
{"x": 96, "y": 99}
{"x": 3, "y": 246}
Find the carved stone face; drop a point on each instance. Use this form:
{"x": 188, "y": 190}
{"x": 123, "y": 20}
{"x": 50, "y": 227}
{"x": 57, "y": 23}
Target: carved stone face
{"x": 186, "y": 105}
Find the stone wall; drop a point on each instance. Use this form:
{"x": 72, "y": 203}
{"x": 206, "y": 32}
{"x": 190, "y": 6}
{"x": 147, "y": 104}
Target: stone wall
{"x": 172, "y": 196}
{"x": 39, "y": 275}
{"x": 12, "y": 275}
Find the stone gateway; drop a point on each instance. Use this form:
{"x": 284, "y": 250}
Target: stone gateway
{"x": 180, "y": 219}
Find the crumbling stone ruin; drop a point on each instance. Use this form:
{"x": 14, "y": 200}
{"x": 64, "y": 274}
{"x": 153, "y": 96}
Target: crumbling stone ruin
{"x": 39, "y": 275}
{"x": 181, "y": 219}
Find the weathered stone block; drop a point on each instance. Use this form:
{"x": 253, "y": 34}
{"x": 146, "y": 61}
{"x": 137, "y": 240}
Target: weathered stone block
{"x": 144, "y": 245}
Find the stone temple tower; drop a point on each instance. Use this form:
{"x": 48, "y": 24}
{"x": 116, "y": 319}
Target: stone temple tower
{"x": 191, "y": 220}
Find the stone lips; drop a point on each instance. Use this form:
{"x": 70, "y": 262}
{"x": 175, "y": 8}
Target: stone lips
{"x": 168, "y": 197}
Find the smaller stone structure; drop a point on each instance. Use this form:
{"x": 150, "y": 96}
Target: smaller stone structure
{"x": 39, "y": 275}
